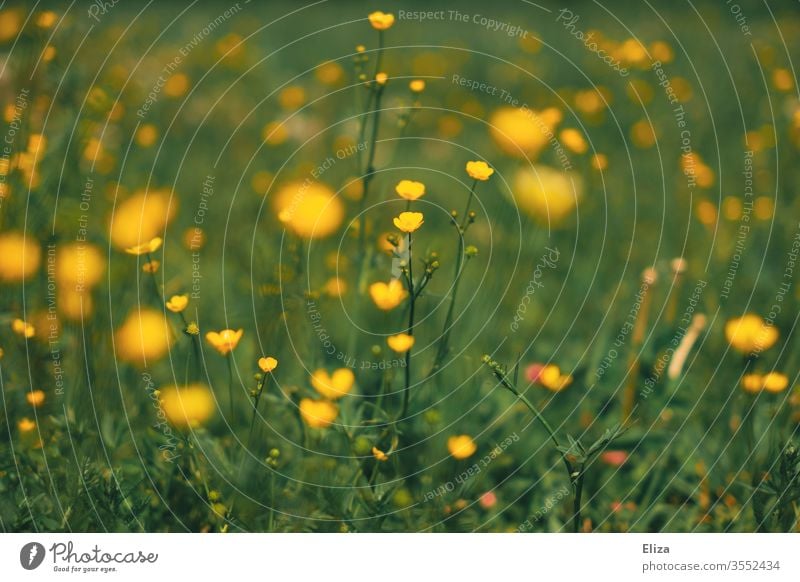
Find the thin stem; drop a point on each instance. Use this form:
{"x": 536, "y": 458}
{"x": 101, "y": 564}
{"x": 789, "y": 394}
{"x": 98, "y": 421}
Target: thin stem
{"x": 230, "y": 382}
{"x": 410, "y": 330}
{"x": 576, "y": 503}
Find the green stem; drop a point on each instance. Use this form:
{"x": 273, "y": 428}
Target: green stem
{"x": 576, "y": 503}
{"x": 230, "y": 383}
{"x": 410, "y": 330}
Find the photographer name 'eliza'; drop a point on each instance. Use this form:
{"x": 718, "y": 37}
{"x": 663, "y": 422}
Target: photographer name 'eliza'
{"x": 654, "y": 549}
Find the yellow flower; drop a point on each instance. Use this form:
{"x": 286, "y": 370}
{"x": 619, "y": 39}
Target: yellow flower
{"x": 267, "y": 364}
{"x": 752, "y": 383}
{"x": 333, "y": 386}
{"x": 23, "y": 328}
{"x": 141, "y": 218}
{"x": 401, "y": 343}
{"x": 80, "y": 265}
{"x": 523, "y": 132}
{"x": 750, "y": 333}
{"x": 461, "y": 446}
{"x": 573, "y": 140}
{"x": 409, "y": 221}
{"x": 551, "y": 378}
{"x": 388, "y": 295}
{"x": 381, "y": 78}
{"x": 479, "y": 171}
{"x": 309, "y": 209}
{"x": 149, "y": 247}
{"x": 775, "y": 382}
{"x": 19, "y": 257}
{"x": 188, "y": 406}
{"x": 144, "y": 335}
{"x": 409, "y": 189}
{"x": 35, "y": 397}
{"x": 379, "y": 455}
{"x": 26, "y": 425}
{"x": 417, "y": 86}
{"x": 318, "y": 413}
{"x": 177, "y": 303}
{"x": 151, "y": 266}
{"x": 224, "y": 341}
{"x": 546, "y": 194}
{"x": 381, "y": 20}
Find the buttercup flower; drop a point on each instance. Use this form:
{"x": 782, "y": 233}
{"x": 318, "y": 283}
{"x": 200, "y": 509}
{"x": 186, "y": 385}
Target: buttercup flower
{"x": 267, "y": 364}
{"x": 379, "y": 455}
{"x": 775, "y": 382}
{"x": 333, "y": 386}
{"x": 548, "y": 195}
{"x": 141, "y": 218}
{"x": 177, "y": 303}
{"x": 752, "y": 383}
{"x": 26, "y": 425}
{"x": 479, "y": 171}
{"x": 310, "y": 210}
{"x": 144, "y": 335}
{"x": 224, "y": 341}
{"x": 19, "y": 256}
{"x": 750, "y": 333}
{"x": 151, "y": 266}
{"x": 381, "y": 78}
{"x": 150, "y": 246}
{"x": 189, "y": 406}
{"x": 409, "y": 189}
{"x": 388, "y": 295}
{"x": 461, "y": 446}
{"x": 401, "y": 343}
{"x": 523, "y": 132}
{"x": 23, "y": 328}
{"x": 79, "y": 265}
{"x": 318, "y": 413}
{"x": 409, "y": 221}
{"x": 417, "y": 86}
{"x": 35, "y": 397}
{"x": 549, "y": 376}
{"x": 381, "y": 20}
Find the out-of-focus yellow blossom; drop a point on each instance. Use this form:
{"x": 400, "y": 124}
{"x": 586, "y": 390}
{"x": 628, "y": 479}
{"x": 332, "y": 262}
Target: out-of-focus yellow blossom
{"x": 146, "y": 135}
{"x": 381, "y": 20}
{"x": 224, "y": 341}
{"x": 752, "y": 383}
{"x": 782, "y": 80}
{"x": 417, "y": 86}
{"x": 144, "y": 335}
{"x": 409, "y": 189}
{"x": 764, "y": 208}
{"x": 177, "y": 303}
{"x": 381, "y": 78}
{"x": 479, "y": 170}
{"x": 20, "y": 256}
{"x": 750, "y": 333}
{"x": 329, "y": 73}
{"x": 149, "y": 247}
{"x": 318, "y": 413}
{"x": 461, "y": 446}
{"x": 292, "y": 97}
{"x": 35, "y": 398}
{"x": 310, "y": 210}
{"x": 706, "y": 212}
{"x": 267, "y": 364}
{"x": 401, "y": 343}
{"x": 187, "y": 406}
{"x": 151, "y": 266}
{"x": 335, "y": 287}
{"x": 643, "y": 134}
{"x": 74, "y": 304}
{"x": 26, "y": 425}
{"x": 551, "y": 378}
{"x": 573, "y": 140}
{"x": 661, "y": 51}
{"x": 546, "y": 194}
{"x": 23, "y": 328}
{"x": 10, "y": 23}
{"x": 409, "y": 221}
{"x": 379, "y": 455}
{"x": 388, "y": 295}
{"x": 177, "y": 85}
{"x": 522, "y": 132}
{"x": 775, "y": 382}
{"x": 46, "y": 19}
{"x": 79, "y": 264}
{"x": 141, "y": 218}
{"x": 599, "y": 162}
{"x": 275, "y": 133}
{"x": 333, "y": 386}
